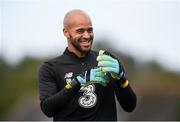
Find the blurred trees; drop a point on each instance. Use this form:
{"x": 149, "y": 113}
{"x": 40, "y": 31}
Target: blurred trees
{"x": 17, "y": 81}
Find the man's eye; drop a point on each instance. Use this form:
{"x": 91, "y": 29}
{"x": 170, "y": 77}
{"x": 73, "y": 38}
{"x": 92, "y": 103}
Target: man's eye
{"x": 90, "y": 30}
{"x": 80, "y": 31}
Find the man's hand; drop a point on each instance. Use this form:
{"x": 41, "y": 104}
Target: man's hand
{"x": 97, "y": 76}
{"x": 91, "y": 76}
{"x": 109, "y": 64}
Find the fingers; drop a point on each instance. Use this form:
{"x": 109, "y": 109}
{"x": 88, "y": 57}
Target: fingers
{"x": 105, "y": 58}
{"x": 97, "y": 76}
{"x": 106, "y": 64}
{"x": 97, "y": 73}
{"x": 107, "y": 61}
{"x": 81, "y": 80}
{"x": 101, "y": 79}
{"x": 110, "y": 69}
{"x": 96, "y": 70}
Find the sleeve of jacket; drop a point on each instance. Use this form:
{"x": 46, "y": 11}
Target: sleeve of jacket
{"x": 125, "y": 96}
{"x": 52, "y": 100}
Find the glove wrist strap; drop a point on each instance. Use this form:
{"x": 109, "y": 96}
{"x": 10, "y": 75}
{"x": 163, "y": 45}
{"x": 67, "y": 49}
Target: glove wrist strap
{"x": 124, "y": 85}
{"x": 121, "y": 79}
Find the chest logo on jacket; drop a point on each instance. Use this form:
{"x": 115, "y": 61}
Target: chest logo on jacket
{"x": 68, "y": 77}
{"x": 89, "y": 98}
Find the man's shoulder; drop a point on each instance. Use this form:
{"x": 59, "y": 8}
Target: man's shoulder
{"x": 53, "y": 61}
{"x": 63, "y": 58}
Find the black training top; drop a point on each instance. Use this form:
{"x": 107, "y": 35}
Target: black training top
{"x": 93, "y": 102}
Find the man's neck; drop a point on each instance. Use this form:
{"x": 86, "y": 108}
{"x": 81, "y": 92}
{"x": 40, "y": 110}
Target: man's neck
{"x": 77, "y": 53}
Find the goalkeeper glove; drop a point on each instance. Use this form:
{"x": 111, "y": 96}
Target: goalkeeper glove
{"x": 89, "y": 77}
{"x": 109, "y": 64}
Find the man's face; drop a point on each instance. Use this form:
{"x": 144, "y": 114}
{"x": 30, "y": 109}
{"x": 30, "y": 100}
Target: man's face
{"x": 80, "y": 35}
{"x": 82, "y": 39}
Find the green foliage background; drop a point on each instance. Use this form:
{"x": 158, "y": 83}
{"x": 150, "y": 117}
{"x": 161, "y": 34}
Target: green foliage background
{"x": 17, "y": 81}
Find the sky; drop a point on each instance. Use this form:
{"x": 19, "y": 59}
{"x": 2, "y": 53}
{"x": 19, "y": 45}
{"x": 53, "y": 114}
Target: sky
{"x": 145, "y": 29}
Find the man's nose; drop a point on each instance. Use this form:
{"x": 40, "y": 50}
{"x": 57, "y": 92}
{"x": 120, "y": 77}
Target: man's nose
{"x": 86, "y": 35}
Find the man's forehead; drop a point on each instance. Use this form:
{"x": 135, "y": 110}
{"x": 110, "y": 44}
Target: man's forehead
{"x": 79, "y": 24}
{"x": 76, "y": 17}
{"x": 83, "y": 27}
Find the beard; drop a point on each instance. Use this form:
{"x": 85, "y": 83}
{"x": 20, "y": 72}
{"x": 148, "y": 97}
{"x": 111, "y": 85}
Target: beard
{"x": 77, "y": 44}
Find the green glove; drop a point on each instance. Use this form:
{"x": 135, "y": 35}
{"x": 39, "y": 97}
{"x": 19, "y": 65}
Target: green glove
{"x": 109, "y": 64}
{"x": 90, "y": 77}
{"x": 97, "y": 76}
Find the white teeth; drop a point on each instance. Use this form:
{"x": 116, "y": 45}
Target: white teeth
{"x": 84, "y": 41}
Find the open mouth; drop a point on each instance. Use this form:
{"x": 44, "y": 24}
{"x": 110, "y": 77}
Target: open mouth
{"x": 85, "y": 43}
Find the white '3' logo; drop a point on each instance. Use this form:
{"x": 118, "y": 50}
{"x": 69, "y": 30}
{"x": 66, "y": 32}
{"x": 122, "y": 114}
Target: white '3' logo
{"x": 89, "y": 98}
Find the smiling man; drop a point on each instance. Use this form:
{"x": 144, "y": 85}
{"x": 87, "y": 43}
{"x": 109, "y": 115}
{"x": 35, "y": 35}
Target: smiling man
{"x": 81, "y": 84}
{"x": 79, "y": 32}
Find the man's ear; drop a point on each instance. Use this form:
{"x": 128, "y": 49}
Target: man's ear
{"x": 66, "y": 33}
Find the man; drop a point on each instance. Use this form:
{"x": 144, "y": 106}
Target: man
{"x": 81, "y": 84}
